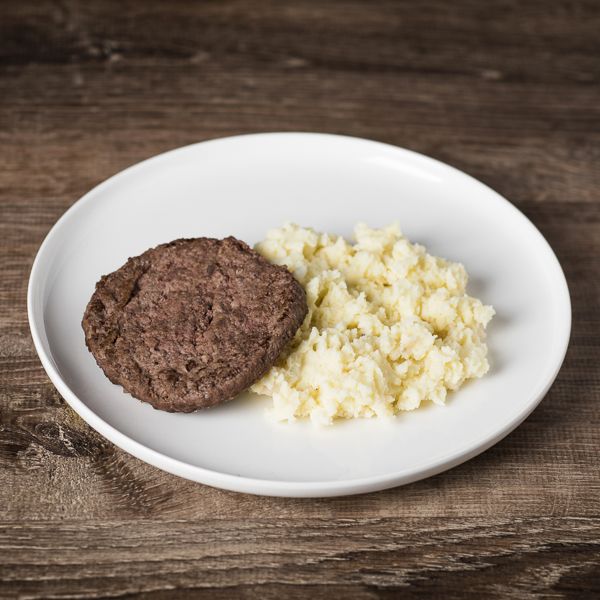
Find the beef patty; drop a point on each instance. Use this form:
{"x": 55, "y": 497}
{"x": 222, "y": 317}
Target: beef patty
{"x": 192, "y": 323}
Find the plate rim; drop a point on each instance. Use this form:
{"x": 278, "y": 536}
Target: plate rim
{"x": 274, "y": 487}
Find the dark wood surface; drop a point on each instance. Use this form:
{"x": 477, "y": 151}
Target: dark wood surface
{"x": 508, "y": 91}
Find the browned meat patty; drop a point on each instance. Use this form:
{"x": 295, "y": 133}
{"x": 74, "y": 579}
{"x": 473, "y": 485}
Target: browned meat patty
{"x": 192, "y": 323}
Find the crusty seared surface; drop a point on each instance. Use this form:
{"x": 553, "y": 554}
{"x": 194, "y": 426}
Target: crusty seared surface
{"x": 192, "y": 323}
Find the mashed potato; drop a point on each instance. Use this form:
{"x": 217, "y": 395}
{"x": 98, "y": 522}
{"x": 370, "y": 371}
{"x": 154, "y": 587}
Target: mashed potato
{"x": 388, "y": 326}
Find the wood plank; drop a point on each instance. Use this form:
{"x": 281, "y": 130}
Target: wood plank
{"x": 369, "y": 558}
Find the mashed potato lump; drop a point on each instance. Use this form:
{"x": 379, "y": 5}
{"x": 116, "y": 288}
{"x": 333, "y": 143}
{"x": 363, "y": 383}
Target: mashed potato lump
{"x": 388, "y": 326}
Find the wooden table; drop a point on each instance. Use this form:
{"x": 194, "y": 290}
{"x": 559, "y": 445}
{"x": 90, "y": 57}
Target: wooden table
{"x": 508, "y": 91}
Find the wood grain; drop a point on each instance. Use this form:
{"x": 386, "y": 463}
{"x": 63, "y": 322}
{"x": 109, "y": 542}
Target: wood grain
{"x": 365, "y": 558}
{"x": 507, "y": 91}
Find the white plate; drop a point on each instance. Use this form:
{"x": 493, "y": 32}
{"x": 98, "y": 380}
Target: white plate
{"x": 243, "y": 186}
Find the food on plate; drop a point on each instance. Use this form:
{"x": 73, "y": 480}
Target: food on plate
{"x": 192, "y": 323}
{"x": 388, "y": 326}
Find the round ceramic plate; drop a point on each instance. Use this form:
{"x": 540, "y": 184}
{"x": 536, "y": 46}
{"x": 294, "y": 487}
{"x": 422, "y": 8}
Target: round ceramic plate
{"x": 245, "y": 185}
